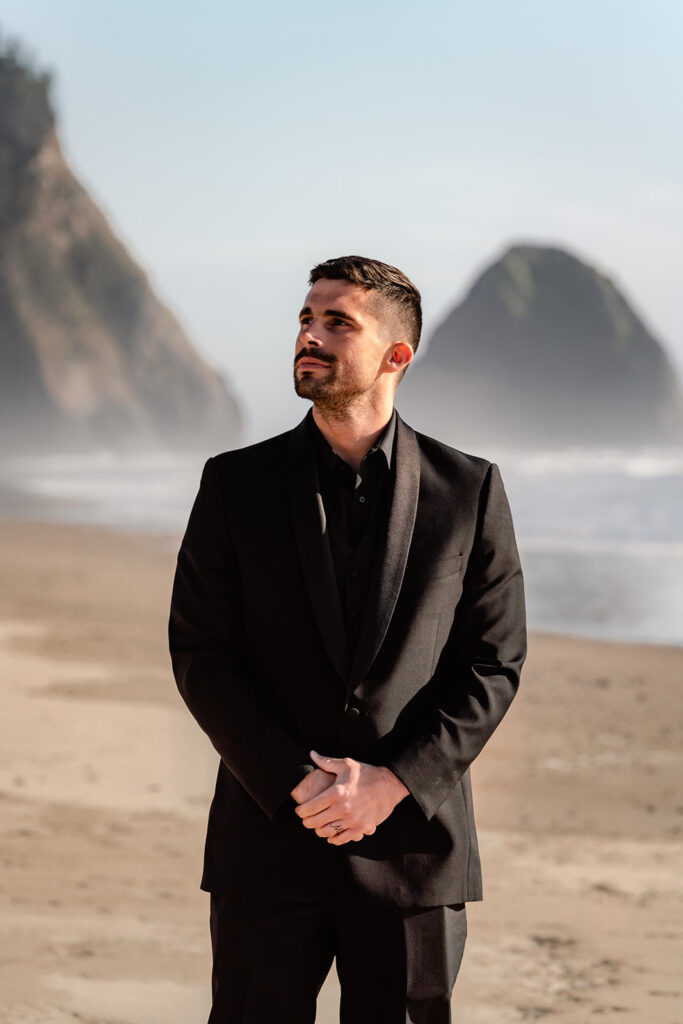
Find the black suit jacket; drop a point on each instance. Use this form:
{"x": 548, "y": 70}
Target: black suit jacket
{"x": 260, "y": 657}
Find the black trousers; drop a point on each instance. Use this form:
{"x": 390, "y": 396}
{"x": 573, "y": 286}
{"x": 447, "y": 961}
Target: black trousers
{"x": 395, "y": 966}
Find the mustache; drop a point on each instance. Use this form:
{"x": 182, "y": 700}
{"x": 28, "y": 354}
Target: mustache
{"x": 322, "y": 357}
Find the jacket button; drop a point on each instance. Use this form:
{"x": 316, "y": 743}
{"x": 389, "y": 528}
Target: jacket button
{"x": 352, "y": 712}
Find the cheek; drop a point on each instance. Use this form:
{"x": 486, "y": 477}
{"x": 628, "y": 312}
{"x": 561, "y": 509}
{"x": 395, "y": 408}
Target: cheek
{"x": 374, "y": 361}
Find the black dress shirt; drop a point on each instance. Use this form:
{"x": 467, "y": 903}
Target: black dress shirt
{"x": 356, "y": 506}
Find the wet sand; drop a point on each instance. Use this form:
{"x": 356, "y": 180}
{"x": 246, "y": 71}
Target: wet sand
{"x": 105, "y": 782}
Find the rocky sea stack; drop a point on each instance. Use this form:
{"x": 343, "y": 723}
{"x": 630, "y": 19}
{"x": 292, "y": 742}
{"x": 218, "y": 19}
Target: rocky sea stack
{"x": 89, "y": 356}
{"x": 544, "y": 349}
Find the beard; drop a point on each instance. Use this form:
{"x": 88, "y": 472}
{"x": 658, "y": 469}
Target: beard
{"x": 332, "y": 395}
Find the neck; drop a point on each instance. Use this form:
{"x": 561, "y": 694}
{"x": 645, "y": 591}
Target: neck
{"x": 353, "y": 432}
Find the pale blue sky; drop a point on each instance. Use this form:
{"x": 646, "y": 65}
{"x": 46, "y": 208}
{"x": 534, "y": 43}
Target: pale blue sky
{"x": 232, "y": 148}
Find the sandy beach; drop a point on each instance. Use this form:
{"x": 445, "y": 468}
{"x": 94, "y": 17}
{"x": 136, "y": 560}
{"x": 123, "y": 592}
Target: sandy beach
{"x": 105, "y": 781}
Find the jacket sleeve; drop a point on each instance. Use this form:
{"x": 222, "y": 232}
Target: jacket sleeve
{"x": 205, "y": 629}
{"x": 478, "y": 673}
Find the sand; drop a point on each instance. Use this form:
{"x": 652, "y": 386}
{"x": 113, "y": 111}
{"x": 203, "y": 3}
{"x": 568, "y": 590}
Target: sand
{"x": 105, "y": 781}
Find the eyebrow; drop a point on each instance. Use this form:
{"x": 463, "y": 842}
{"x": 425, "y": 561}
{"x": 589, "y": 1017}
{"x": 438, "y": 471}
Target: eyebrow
{"x": 307, "y": 311}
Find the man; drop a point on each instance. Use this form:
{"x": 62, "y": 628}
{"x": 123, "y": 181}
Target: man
{"x": 347, "y": 626}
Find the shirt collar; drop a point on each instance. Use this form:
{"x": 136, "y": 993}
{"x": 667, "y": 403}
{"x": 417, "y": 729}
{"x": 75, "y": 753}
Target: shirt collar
{"x": 329, "y": 457}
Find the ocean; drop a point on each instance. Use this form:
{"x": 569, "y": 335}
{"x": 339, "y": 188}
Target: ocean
{"x": 600, "y": 531}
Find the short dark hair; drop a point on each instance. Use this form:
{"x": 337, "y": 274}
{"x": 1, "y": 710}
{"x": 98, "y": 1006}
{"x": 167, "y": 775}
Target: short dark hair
{"x": 393, "y": 286}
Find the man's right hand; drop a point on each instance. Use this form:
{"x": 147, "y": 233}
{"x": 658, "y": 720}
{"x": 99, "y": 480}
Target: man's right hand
{"x": 315, "y": 782}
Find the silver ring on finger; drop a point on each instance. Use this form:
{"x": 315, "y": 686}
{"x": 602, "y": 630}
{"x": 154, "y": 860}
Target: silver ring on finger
{"x": 336, "y": 827}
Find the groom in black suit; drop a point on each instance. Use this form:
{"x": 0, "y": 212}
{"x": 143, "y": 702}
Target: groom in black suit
{"x": 348, "y": 627}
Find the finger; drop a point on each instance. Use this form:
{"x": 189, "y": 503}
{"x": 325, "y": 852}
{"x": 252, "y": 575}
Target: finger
{"x": 347, "y": 836}
{"x": 328, "y": 764}
{"x": 323, "y": 818}
{"x": 316, "y": 804}
{"x": 333, "y": 828}
{"x": 370, "y": 831}
{"x": 329, "y": 797}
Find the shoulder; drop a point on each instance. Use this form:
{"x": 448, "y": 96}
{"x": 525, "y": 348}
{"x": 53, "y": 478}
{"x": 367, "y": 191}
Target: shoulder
{"x": 440, "y": 452}
{"x": 443, "y": 461}
{"x": 450, "y": 477}
{"x": 263, "y": 454}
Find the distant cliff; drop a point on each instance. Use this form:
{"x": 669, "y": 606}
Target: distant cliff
{"x": 544, "y": 350}
{"x": 89, "y": 356}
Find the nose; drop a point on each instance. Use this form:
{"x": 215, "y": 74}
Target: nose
{"x": 308, "y": 338}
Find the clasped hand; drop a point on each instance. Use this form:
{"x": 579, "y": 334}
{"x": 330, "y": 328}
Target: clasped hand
{"x": 344, "y": 800}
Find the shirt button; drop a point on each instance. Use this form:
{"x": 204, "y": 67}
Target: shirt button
{"x": 352, "y": 713}
{"x": 354, "y": 573}
{"x": 361, "y": 499}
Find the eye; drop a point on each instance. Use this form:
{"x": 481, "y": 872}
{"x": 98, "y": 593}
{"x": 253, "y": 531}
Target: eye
{"x": 304, "y": 320}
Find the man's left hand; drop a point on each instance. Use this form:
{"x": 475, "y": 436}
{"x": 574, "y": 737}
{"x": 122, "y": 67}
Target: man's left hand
{"x": 362, "y": 796}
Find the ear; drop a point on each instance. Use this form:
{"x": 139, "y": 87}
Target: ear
{"x": 401, "y": 355}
